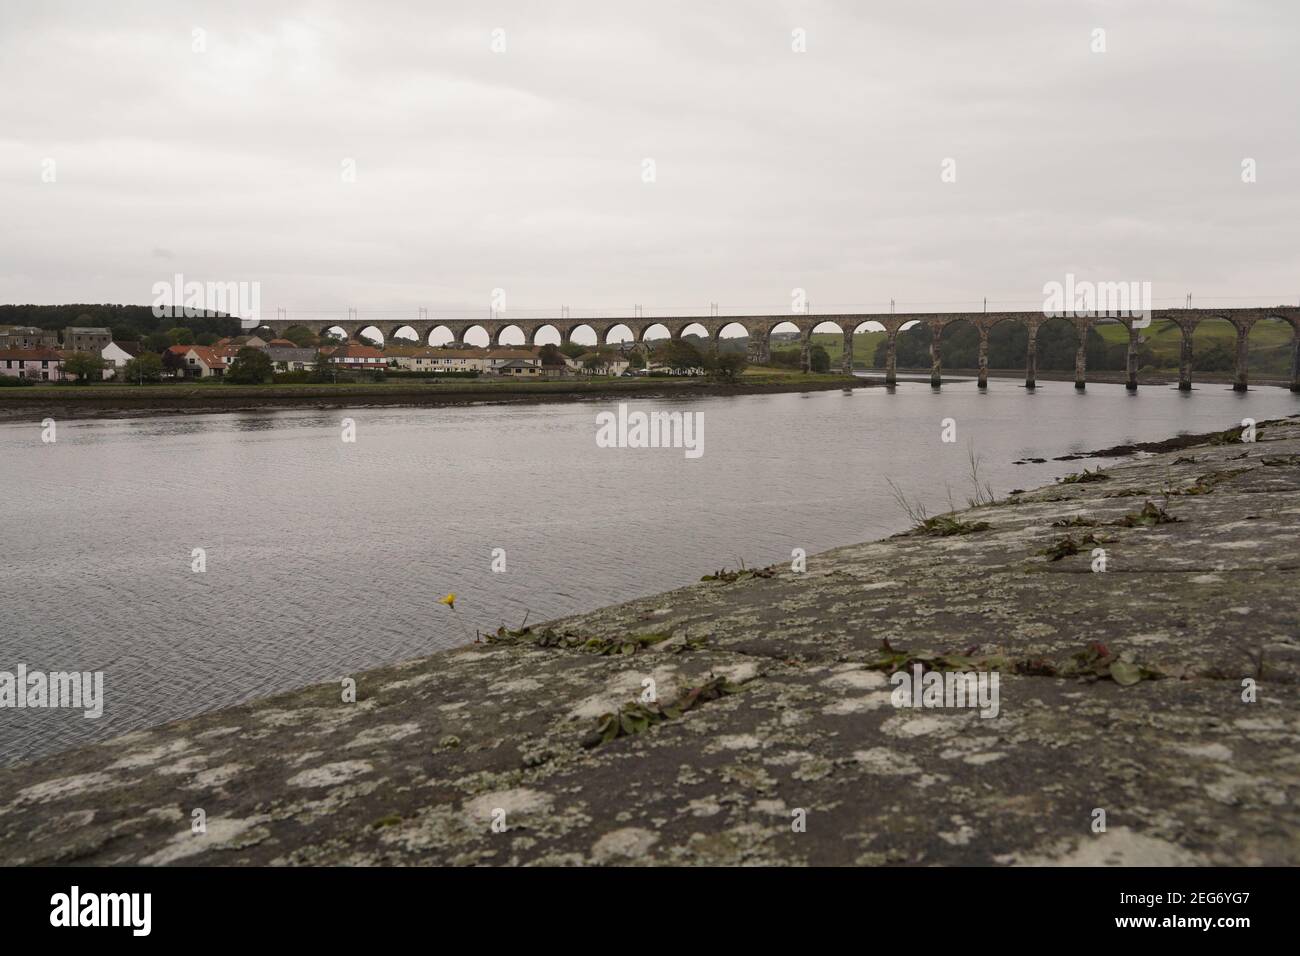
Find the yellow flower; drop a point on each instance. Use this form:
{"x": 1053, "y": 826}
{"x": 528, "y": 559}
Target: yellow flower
{"x": 449, "y": 600}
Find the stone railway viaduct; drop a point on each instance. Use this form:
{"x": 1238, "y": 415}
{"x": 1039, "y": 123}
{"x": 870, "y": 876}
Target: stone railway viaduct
{"x": 759, "y": 329}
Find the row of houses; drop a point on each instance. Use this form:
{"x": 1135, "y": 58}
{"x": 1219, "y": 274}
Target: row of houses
{"x": 29, "y": 352}
{"x": 25, "y": 353}
{"x": 286, "y": 357}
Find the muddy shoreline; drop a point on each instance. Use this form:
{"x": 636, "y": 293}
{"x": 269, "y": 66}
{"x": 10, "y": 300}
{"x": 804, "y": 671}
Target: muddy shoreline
{"x": 213, "y": 402}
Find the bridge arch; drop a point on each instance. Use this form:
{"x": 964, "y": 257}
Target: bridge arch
{"x": 589, "y": 335}
{"x": 625, "y": 335}
{"x": 335, "y": 332}
{"x": 545, "y": 334}
{"x": 440, "y": 335}
{"x": 1213, "y": 346}
{"x": 516, "y": 333}
{"x": 960, "y": 344}
{"x": 395, "y": 332}
{"x": 1292, "y": 319}
{"x": 786, "y": 353}
{"x": 647, "y": 337}
{"x": 695, "y": 328}
{"x": 475, "y": 335}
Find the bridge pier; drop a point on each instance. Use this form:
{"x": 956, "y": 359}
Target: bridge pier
{"x": 891, "y": 357}
{"x": 1239, "y": 373}
{"x": 1031, "y": 358}
{"x": 936, "y": 354}
{"x": 1185, "y": 360}
{"x": 984, "y": 357}
{"x": 805, "y": 352}
{"x": 1081, "y": 361}
{"x": 1132, "y": 382}
{"x": 1295, "y": 359}
{"x": 846, "y": 360}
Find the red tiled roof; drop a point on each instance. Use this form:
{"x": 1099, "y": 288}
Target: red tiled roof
{"x": 208, "y": 356}
{"x": 42, "y": 354}
{"x": 355, "y": 351}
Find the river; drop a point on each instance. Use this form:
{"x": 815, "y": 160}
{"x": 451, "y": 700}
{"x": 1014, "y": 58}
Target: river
{"x": 326, "y": 557}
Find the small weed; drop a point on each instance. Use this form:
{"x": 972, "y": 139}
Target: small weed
{"x": 1067, "y": 546}
{"x": 634, "y": 718}
{"x": 943, "y": 526}
{"x": 1150, "y": 516}
{"x": 730, "y": 577}
{"x": 604, "y": 646}
{"x": 1233, "y": 436}
{"x": 1085, "y": 477}
{"x": 1076, "y": 521}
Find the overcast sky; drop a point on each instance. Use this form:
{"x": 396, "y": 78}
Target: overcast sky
{"x": 525, "y": 170}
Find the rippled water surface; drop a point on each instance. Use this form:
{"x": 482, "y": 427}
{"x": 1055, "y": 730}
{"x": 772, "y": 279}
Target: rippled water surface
{"x": 325, "y": 558}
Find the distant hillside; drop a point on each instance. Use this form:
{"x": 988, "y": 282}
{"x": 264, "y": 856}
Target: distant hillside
{"x": 128, "y": 322}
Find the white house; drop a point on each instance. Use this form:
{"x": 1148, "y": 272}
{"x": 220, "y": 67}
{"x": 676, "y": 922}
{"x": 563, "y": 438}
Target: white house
{"x": 116, "y": 355}
{"x": 203, "y": 361}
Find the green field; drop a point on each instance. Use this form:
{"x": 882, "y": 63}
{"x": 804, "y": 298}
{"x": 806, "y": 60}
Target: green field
{"x": 864, "y": 347}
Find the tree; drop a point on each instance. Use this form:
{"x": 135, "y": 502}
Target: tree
{"x": 551, "y": 355}
{"x": 180, "y": 336}
{"x": 680, "y": 356}
{"x": 573, "y": 349}
{"x": 157, "y": 341}
{"x": 124, "y": 333}
{"x": 636, "y": 360}
{"x": 727, "y": 366}
{"x": 300, "y": 336}
{"x": 819, "y": 360}
{"x": 87, "y": 367}
{"x": 323, "y": 371}
{"x": 250, "y": 367}
{"x": 146, "y": 367}
{"x": 206, "y": 338}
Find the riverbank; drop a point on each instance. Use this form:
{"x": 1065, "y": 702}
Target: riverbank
{"x": 71, "y": 401}
{"x": 1119, "y": 691}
